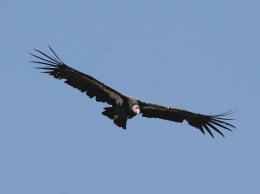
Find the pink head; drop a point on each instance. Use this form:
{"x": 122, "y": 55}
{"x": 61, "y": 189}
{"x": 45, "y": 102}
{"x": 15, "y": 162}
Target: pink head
{"x": 136, "y": 109}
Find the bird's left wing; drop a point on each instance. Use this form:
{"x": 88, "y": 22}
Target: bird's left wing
{"x": 83, "y": 82}
{"x": 201, "y": 122}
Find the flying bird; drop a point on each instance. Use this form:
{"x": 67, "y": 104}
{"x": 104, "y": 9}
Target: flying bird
{"x": 124, "y": 107}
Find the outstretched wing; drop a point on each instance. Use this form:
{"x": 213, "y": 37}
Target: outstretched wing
{"x": 201, "y": 122}
{"x": 83, "y": 82}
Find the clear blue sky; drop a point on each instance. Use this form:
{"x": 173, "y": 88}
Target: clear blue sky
{"x": 202, "y": 56}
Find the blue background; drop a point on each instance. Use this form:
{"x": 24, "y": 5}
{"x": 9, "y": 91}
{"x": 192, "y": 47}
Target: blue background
{"x": 201, "y": 56}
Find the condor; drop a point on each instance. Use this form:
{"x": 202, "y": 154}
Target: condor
{"x": 125, "y": 107}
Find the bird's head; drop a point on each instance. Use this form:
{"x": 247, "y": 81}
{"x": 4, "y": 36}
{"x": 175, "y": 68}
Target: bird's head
{"x": 136, "y": 109}
{"x": 134, "y": 105}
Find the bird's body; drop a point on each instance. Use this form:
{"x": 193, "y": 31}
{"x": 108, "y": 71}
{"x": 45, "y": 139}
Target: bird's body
{"x": 125, "y": 107}
{"x": 121, "y": 112}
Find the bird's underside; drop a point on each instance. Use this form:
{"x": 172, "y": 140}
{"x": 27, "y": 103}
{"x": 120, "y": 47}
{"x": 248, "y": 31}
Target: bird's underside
{"x": 126, "y": 107}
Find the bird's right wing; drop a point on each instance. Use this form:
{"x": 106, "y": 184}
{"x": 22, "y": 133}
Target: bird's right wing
{"x": 83, "y": 82}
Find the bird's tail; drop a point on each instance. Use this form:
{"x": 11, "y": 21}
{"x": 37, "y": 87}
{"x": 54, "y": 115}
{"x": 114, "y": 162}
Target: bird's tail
{"x": 110, "y": 113}
{"x": 121, "y": 122}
